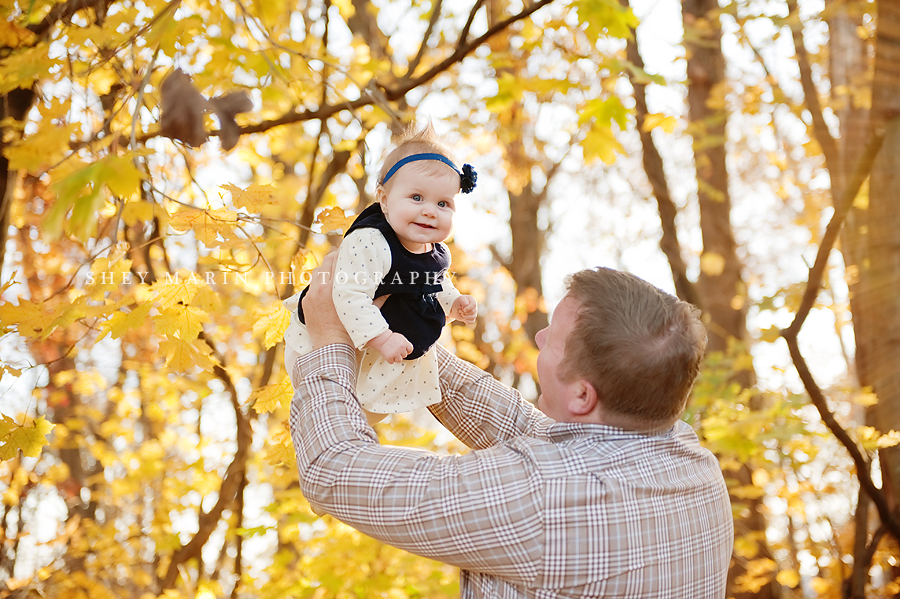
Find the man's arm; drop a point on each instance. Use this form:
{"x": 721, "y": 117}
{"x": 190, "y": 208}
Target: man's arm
{"x": 480, "y": 410}
{"x": 481, "y": 511}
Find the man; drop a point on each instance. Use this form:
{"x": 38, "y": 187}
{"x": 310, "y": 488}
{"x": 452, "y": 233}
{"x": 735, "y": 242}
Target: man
{"x": 604, "y": 494}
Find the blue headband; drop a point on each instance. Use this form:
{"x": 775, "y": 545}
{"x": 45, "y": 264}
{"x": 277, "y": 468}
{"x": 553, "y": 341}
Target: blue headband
{"x": 467, "y": 176}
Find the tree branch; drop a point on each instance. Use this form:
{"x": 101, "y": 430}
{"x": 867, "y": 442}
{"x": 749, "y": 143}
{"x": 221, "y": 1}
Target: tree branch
{"x": 231, "y": 482}
{"x": 62, "y": 12}
{"x": 435, "y": 13}
{"x": 791, "y": 333}
{"x": 653, "y": 168}
{"x": 820, "y": 127}
{"x": 325, "y": 111}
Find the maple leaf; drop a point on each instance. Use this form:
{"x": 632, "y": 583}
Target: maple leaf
{"x": 272, "y": 323}
{"x": 271, "y": 397}
{"x": 12, "y": 35}
{"x": 667, "y": 123}
{"x": 135, "y": 212}
{"x": 298, "y": 262}
{"x": 43, "y": 149}
{"x": 182, "y": 321}
{"x": 207, "y": 225}
{"x": 180, "y": 287}
{"x": 333, "y": 219}
{"x": 121, "y": 322}
{"x": 29, "y": 319}
{"x": 888, "y": 440}
{"x": 30, "y": 439}
{"x": 253, "y": 198}
{"x": 183, "y": 355}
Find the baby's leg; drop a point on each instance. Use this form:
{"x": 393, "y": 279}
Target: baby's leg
{"x": 373, "y": 417}
{"x": 290, "y": 359}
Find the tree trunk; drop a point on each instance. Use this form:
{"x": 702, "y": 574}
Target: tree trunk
{"x": 848, "y": 66}
{"x": 721, "y": 288}
{"x": 878, "y": 345}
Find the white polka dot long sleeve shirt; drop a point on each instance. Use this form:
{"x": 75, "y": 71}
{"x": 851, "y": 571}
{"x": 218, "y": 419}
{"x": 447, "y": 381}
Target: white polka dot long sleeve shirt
{"x": 363, "y": 259}
{"x": 538, "y": 509}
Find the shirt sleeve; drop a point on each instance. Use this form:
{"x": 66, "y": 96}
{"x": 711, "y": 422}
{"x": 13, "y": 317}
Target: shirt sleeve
{"x": 481, "y": 511}
{"x": 478, "y": 409}
{"x": 363, "y": 259}
{"x": 447, "y": 295}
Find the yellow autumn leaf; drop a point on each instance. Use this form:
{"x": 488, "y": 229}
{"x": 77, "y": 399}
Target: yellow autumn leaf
{"x": 745, "y": 547}
{"x": 107, "y": 274}
{"x": 21, "y": 69}
{"x": 280, "y": 448}
{"x": 253, "y": 198}
{"x": 184, "y": 322}
{"x": 653, "y": 120}
{"x": 888, "y": 440}
{"x": 712, "y": 264}
{"x": 299, "y": 263}
{"x": 135, "y": 212}
{"x": 207, "y": 225}
{"x": 41, "y": 150}
{"x": 121, "y": 176}
{"x": 271, "y": 397}
{"x": 345, "y": 7}
{"x": 271, "y": 324}
{"x": 865, "y": 398}
{"x": 601, "y": 142}
{"x": 13, "y": 35}
{"x": 173, "y": 288}
{"x": 820, "y": 586}
{"x": 103, "y": 78}
{"x": 334, "y": 219}
{"x": 30, "y": 439}
{"x": 183, "y": 355}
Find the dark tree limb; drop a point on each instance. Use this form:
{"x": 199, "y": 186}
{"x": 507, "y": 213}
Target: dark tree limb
{"x": 653, "y": 167}
{"x": 435, "y": 13}
{"x": 820, "y": 127}
{"x": 790, "y": 334}
{"x": 395, "y": 93}
{"x": 231, "y": 482}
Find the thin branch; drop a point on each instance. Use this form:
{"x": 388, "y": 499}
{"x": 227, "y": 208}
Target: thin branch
{"x": 462, "y": 50}
{"x": 652, "y": 161}
{"x": 435, "y": 13}
{"x": 464, "y": 34}
{"x": 62, "y": 12}
{"x": 841, "y": 208}
{"x": 231, "y": 482}
{"x": 820, "y": 127}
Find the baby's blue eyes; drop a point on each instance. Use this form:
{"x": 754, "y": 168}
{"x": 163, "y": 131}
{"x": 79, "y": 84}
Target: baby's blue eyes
{"x": 443, "y": 204}
{"x": 416, "y": 197}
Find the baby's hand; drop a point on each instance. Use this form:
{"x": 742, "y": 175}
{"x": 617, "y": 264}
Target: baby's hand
{"x": 392, "y": 346}
{"x": 464, "y": 308}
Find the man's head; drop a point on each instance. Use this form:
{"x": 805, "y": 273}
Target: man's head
{"x": 622, "y": 349}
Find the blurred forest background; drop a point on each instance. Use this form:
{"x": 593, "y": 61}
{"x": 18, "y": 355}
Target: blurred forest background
{"x": 170, "y": 170}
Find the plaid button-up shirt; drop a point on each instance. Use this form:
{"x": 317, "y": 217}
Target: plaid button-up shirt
{"x": 538, "y": 509}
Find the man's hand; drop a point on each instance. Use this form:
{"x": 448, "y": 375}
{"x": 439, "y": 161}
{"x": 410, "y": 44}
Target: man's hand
{"x": 322, "y": 320}
{"x": 393, "y": 347}
{"x": 465, "y": 309}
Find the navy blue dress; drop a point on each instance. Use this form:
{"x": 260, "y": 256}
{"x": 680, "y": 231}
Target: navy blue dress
{"x": 413, "y": 282}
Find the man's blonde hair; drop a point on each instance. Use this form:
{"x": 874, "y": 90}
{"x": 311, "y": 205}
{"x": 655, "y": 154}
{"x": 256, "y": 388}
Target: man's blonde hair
{"x": 639, "y": 347}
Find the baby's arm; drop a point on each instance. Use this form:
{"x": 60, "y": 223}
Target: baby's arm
{"x": 363, "y": 258}
{"x": 457, "y": 306}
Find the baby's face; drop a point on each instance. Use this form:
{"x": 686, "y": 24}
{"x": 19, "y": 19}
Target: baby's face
{"x": 419, "y": 205}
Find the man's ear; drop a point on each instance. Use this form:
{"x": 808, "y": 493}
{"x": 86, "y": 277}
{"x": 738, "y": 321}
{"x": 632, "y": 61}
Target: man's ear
{"x": 583, "y": 399}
